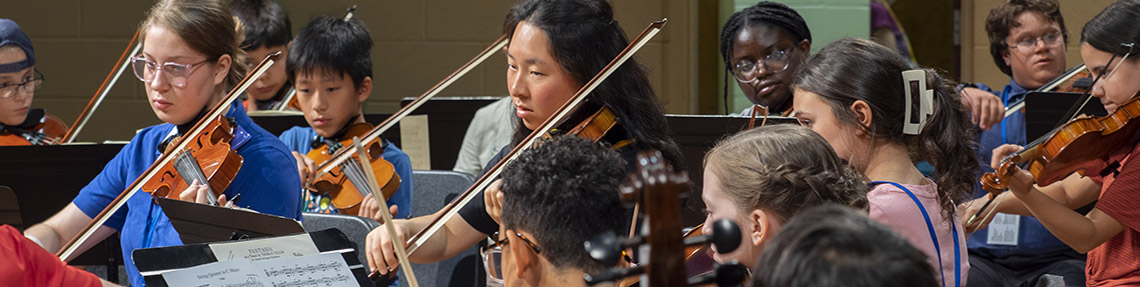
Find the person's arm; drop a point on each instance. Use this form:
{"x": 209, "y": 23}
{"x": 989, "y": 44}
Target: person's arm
{"x": 1073, "y": 192}
{"x": 1081, "y": 232}
{"x": 454, "y": 237}
{"x": 986, "y": 109}
{"x": 61, "y": 227}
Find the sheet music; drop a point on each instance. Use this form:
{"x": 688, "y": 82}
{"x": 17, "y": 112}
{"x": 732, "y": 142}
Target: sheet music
{"x": 320, "y": 270}
{"x": 414, "y": 129}
{"x": 315, "y": 270}
{"x": 264, "y": 249}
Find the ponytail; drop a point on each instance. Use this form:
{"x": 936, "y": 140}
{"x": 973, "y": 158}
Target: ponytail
{"x": 850, "y": 70}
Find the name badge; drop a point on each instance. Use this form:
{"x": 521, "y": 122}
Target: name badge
{"x": 1003, "y": 229}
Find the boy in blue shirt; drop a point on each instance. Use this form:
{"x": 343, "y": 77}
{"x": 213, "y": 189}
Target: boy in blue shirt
{"x": 188, "y": 62}
{"x": 330, "y": 65}
{"x": 1027, "y": 42}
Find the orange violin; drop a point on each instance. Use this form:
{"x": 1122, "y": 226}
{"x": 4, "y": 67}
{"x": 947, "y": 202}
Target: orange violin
{"x": 342, "y": 183}
{"x": 1081, "y": 145}
{"x": 38, "y": 129}
{"x": 203, "y": 154}
{"x": 207, "y": 158}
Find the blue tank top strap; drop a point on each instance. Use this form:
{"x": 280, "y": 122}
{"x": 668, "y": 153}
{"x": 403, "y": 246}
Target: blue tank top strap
{"x": 934, "y": 236}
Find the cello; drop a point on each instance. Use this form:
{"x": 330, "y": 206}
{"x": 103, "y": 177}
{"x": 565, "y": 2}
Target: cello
{"x": 202, "y": 149}
{"x": 659, "y": 188}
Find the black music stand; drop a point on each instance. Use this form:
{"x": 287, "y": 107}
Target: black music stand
{"x": 1043, "y": 110}
{"x": 200, "y": 223}
{"x": 152, "y": 262}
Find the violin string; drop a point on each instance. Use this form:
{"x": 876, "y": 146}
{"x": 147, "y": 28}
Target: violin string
{"x": 355, "y": 175}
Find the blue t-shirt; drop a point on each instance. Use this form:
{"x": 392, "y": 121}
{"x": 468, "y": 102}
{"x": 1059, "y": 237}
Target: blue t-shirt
{"x": 299, "y": 139}
{"x": 267, "y": 182}
{"x": 1033, "y": 239}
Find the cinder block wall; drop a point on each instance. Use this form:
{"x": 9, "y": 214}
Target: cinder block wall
{"x": 417, "y": 43}
{"x": 978, "y": 65}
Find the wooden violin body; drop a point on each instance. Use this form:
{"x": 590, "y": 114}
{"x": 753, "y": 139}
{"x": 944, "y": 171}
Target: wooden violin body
{"x": 336, "y": 183}
{"x": 212, "y": 151}
{"x": 1082, "y": 145}
{"x": 47, "y": 132}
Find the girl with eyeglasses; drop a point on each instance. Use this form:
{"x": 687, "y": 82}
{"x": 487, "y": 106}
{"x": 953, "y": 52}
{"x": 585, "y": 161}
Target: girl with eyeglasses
{"x": 762, "y": 46}
{"x": 190, "y": 59}
{"x": 19, "y": 123}
{"x": 1110, "y": 232}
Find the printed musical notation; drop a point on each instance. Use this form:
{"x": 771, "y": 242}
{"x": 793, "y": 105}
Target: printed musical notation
{"x": 326, "y": 270}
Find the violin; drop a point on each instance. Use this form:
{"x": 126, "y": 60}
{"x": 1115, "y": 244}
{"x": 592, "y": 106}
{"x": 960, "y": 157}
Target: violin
{"x": 550, "y": 124}
{"x": 344, "y": 184}
{"x": 208, "y": 158}
{"x": 39, "y": 128}
{"x": 203, "y": 148}
{"x": 289, "y": 102}
{"x": 1085, "y": 144}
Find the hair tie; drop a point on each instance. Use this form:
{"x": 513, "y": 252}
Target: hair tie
{"x": 914, "y": 85}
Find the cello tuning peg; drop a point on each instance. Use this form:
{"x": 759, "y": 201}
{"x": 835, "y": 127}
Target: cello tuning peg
{"x": 725, "y": 235}
{"x": 727, "y": 274}
{"x": 605, "y": 248}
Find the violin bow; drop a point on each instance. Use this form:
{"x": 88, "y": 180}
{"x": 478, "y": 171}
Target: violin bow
{"x": 344, "y": 153}
{"x": 68, "y": 251}
{"x": 554, "y": 121}
{"x": 1018, "y": 105}
{"x": 362, "y": 158}
{"x": 105, "y": 88}
{"x": 1069, "y": 116}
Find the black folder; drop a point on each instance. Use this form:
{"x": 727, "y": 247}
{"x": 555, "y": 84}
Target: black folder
{"x": 1044, "y": 110}
{"x": 152, "y": 260}
{"x": 200, "y": 223}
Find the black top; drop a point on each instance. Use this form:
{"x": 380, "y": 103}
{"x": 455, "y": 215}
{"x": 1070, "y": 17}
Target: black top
{"x": 475, "y": 212}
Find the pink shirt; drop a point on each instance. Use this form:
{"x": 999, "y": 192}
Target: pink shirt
{"x": 892, "y": 207}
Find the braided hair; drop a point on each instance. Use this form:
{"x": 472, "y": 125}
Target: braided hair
{"x": 767, "y": 13}
{"x": 783, "y": 169}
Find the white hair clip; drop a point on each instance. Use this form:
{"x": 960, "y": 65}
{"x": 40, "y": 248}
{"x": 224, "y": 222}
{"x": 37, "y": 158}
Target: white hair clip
{"x": 914, "y": 82}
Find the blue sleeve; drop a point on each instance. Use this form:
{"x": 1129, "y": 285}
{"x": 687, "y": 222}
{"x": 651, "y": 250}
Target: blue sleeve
{"x": 298, "y": 139}
{"x": 268, "y": 181}
{"x": 403, "y": 165}
{"x": 106, "y": 186}
{"x": 979, "y": 86}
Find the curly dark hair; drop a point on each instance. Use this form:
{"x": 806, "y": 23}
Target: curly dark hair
{"x": 1004, "y": 18}
{"x": 850, "y": 70}
{"x": 833, "y": 245}
{"x": 584, "y": 38}
{"x": 783, "y": 169}
{"x": 564, "y": 191}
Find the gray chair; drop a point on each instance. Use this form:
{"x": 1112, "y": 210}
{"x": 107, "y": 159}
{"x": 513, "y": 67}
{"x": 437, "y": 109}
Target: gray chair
{"x": 354, "y": 227}
{"x": 433, "y": 190}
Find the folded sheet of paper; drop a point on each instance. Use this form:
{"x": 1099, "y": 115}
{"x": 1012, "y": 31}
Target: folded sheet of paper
{"x": 315, "y": 270}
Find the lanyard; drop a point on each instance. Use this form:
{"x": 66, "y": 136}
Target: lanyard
{"x": 934, "y": 236}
